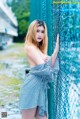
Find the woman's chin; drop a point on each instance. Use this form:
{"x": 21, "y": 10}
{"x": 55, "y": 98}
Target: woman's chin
{"x": 39, "y": 41}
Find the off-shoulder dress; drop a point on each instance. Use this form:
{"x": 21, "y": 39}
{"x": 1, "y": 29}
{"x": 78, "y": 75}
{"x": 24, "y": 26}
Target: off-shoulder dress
{"x": 33, "y": 91}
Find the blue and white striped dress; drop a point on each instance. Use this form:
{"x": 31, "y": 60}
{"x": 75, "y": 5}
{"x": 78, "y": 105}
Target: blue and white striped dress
{"x": 33, "y": 92}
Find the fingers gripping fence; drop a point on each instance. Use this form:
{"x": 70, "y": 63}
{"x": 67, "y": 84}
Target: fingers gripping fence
{"x": 63, "y": 17}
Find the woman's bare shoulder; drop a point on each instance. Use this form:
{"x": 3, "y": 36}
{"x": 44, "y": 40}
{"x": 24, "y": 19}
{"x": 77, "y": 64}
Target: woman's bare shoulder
{"x": 34, "y": 54}
{"x": 30, "y": 49}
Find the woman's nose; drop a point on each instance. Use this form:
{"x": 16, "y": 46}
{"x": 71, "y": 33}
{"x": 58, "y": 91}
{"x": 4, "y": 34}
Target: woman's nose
{"x": 40, "y": 33}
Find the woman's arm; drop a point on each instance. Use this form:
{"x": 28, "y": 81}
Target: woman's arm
{"x": 34, "y": 55}
{"x": 54, "y": 55}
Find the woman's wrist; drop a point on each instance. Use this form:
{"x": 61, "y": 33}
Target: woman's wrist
{"x": 57, "y": 48}
{"x": 56, "y": 51}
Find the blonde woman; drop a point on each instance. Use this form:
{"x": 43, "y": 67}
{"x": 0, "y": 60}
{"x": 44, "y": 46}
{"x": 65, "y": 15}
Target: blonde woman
{"x": 33, "y": 94}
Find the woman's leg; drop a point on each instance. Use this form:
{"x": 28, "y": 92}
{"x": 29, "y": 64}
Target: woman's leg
{"x": 28, "y": 113}
{"x": 38, "y": 116}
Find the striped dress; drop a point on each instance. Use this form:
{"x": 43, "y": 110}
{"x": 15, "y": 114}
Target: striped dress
{"x": 33, "y": 91}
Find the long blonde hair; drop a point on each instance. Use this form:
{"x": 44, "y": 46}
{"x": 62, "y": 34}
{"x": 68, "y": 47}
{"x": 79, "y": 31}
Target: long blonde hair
{"x": 31, "y": 36}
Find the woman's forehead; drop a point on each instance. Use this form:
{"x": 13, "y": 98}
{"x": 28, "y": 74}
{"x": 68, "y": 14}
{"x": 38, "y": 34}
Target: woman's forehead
{"x": 40, "y": 27}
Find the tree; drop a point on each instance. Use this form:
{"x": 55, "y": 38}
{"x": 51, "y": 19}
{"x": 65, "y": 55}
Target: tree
{"x": 22, "y": 11}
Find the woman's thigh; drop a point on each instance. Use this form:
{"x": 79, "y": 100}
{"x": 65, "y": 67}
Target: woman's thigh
{"x": 28, "y": 113}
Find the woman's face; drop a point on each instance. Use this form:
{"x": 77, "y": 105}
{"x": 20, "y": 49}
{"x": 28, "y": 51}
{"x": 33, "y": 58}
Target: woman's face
{"x": 40, "y": 33}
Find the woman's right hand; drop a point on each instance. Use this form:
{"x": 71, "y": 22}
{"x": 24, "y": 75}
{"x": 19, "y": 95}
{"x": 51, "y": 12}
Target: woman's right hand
{"x": 57, "y": 43}
{"x": 54, "y": 55}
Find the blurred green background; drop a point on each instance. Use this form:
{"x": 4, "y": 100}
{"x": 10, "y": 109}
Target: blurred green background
{"x": 21, "y": 9}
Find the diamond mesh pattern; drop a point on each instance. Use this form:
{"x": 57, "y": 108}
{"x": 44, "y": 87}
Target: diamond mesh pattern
{"x": 63, "y": 17}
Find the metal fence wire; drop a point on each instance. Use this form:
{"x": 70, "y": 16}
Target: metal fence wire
{"x": 63, "y": 17}
{"x": 67, "y": 15}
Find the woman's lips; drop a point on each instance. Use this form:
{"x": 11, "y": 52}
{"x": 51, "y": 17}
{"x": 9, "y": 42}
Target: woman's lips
{"x": 39, "y": 38}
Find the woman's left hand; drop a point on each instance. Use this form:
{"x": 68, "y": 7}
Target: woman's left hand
{"x": 46, "y": 58}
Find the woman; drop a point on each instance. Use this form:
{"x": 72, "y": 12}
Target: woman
{"x": 33, "y": 94}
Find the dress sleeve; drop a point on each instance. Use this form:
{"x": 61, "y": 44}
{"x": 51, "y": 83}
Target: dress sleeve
{"x": 46, "y": 69}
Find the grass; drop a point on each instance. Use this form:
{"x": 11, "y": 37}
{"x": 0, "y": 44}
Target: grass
{"x": 10, "y": 85}
{"x": 1, "y": 103}
{"x": 1, "y": 66}
{"x": 11, "y": 89}
{"x": 16, "y": 45}
{"x": 17, "y": 51}
{"x": 13, "y": 81}
{"x": 6, "y": 80}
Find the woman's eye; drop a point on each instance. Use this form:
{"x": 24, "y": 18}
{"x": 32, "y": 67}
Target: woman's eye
{"x": 37, "y": 30}
{"x": 42, "y": 31}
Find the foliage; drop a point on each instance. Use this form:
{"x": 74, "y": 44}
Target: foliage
{"x": 22, "y": 11}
